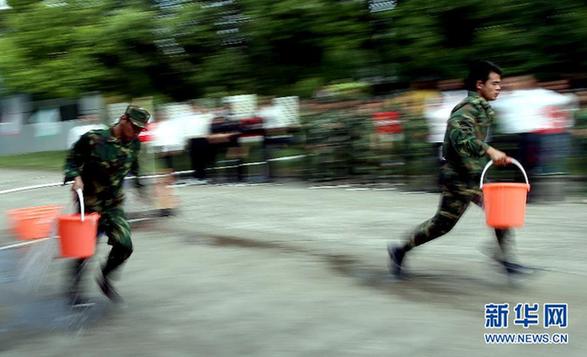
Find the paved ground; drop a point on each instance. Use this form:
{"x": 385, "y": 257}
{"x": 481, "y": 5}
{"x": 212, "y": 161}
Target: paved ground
{"x": 287, "y": 270}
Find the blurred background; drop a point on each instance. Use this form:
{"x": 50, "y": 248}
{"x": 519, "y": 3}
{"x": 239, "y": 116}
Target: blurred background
{"x": 341, "y": 105}
{"x": 319, "y": 90}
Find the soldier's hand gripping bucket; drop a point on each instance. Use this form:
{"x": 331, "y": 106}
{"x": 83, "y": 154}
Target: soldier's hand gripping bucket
{"x": 77, "y": 232}
{"x": 505, "y": 203}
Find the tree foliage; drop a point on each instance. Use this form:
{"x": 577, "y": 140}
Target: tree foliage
{"x": 185, "y": 49}
{"x": 438, "y": 38}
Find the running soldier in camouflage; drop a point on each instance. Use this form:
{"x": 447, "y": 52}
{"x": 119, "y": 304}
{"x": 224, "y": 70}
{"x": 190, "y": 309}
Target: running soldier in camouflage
{"x": 465, "y": 153}
{"x": 98, "y": 163}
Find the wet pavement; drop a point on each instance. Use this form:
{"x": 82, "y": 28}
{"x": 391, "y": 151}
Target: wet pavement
{"x": 290, "y": 270}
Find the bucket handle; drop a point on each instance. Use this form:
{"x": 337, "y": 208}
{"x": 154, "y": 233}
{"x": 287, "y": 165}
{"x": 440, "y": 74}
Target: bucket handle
{"x": 80, "y": 196}
{"x": 513, "y": 161}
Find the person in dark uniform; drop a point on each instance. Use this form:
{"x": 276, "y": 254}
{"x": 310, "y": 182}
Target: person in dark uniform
{"x": 98, "y": 163}
{"x": 465, "y": 154}
{"x": 224, "y": 141}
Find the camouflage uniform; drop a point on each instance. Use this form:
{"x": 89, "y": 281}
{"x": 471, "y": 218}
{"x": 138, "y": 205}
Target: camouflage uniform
{"x": 325, "y": 138}
{"x": 103, "y": 161}
{"x": 415, "y": 145}
{"x": 338, "y": 143}
{"x": 580, "y": 138}
{"x": 464, "y": 154}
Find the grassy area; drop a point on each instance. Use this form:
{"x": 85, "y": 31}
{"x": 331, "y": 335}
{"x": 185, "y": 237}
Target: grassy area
{"x": 53, "y": 161}
{"x": 48, "y": 160}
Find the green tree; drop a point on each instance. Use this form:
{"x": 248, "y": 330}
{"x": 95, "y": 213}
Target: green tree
{"x": 77, "y": 46}
{"x": 292, "y": 42}
{"x": 437, "y": 38}
{"x": 185, "y": 49}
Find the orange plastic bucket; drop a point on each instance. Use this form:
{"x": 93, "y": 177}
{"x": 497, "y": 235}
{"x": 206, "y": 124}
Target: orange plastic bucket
{"x": 505, "y": 203}
{"x": 77, "y": 233}
{"x": 33, "y": 222}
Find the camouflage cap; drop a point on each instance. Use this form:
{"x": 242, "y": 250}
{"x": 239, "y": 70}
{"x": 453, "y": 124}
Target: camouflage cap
{"x": 137, "y": 115}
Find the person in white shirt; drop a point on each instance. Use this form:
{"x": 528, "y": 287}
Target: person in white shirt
{"x": 531, "y": 114}
{"x": 168, "y": 138}
{"x": 168, "y": 142}
{"x": 197, "y": 126}
{"x": 89, "y": 122}
{"x": 275, "y": 128}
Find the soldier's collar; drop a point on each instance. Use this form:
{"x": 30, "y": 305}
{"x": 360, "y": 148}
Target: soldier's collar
{"x": 474, "y": 95}
{"x": 471, "y": 93}
{"x": 111, "y": 137}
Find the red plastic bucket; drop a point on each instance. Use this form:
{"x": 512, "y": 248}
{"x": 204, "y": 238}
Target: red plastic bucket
{"x": 505, "y": 203}
{"x": 77, "y": 233}
{"x": 33, "y": 222}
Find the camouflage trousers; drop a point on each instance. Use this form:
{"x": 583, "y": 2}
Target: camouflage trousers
{"x": 456, "y": 195}
{"x": 114, "y": 225}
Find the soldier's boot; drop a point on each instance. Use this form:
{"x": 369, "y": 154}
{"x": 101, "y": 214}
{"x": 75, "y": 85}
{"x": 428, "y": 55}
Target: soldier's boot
{"x": 109, "y": 291}
{"x": 77, "y": 300}
{"x": 75, "y": 297}
{"x": 117, "y": 256}
{"x": 505, "y": 256}
{"x": 515, "y": 268}
{"x": 396, "y": 258}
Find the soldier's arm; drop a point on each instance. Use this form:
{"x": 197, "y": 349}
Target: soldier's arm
{"x": 76, "y": 158}
{"x": 462, "y": 133}
{"x": 500, "y": 158}
{"x": 135, "y": 168}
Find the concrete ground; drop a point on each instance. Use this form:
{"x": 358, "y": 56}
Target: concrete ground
{"x": 291, "y": 270}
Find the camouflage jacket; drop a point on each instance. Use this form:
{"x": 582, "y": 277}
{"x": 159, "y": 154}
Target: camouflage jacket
{"x": 103, "y": 162}
{"x": 464, "y": 141}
